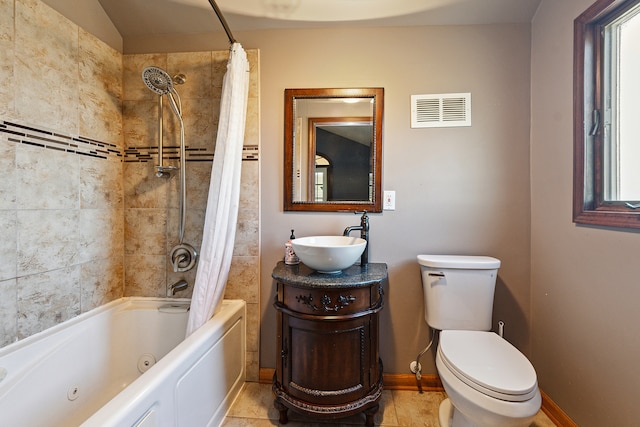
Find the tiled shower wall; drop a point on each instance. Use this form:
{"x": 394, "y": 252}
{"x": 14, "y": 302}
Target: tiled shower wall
{"x": 61, "y": 200}
{"x": 151, "y": 211}
{"x": 83, "y": 219}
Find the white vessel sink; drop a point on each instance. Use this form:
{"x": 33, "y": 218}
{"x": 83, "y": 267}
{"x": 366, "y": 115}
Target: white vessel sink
{"x": 329, "y": 254}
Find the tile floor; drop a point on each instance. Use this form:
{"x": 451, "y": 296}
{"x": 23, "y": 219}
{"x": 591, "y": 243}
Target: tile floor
{"x": 254, "y": 407}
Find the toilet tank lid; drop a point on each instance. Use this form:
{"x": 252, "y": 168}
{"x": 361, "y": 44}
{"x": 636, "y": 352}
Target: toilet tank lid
{"x": 459, "y": 261}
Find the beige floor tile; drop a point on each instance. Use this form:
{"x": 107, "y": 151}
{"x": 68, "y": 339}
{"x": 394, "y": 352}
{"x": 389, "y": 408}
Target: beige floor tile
{"x": 247, "y": 422}
{"x": 255, "y": 401}
{"x": 417, "y": 409}
{"x": 398, "y": 408}
{"x": 541, "y": 420}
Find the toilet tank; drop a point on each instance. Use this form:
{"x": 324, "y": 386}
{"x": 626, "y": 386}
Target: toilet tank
{"x": 458, "y": 291}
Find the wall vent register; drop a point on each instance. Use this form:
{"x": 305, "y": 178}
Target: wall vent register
{"x": 441, "y": 110}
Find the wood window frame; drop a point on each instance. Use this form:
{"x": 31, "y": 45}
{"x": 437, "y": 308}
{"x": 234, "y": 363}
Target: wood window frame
{"x": 589, "y": 207}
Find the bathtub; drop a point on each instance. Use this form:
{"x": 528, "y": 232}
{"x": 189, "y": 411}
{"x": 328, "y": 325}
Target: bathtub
{"x": 126, "y": 364}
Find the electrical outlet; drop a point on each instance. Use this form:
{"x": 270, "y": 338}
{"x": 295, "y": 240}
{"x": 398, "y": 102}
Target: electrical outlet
{"x": 389, "y": 203}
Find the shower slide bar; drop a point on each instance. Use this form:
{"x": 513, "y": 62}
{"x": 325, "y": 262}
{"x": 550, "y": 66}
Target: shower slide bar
{"x": 223, "y": 21}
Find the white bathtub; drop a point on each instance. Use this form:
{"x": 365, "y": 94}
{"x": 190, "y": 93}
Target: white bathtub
{"x": 88, "y": 371}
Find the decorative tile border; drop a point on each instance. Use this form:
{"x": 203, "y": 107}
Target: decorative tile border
{"x": 39, "y": 137}
{"x": 44, "y": 138}
{"x": 171, "y": 152}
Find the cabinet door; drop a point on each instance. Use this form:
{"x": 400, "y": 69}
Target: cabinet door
{"x": 326, "y": 362}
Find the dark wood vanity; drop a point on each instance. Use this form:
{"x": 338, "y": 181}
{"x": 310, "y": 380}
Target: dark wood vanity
{"x": 328, "y": 363}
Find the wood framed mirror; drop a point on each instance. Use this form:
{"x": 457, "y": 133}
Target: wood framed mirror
{"x": 333, "y": 149}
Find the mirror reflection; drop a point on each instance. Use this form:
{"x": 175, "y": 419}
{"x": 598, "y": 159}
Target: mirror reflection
{"x": 333, "y": 146}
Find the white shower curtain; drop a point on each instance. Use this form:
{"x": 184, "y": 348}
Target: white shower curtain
{"x": 224, "y": 193}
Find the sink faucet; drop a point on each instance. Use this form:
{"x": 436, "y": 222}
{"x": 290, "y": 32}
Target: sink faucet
{"x": 180, "y": 285}
{"x": 364, "y": 233}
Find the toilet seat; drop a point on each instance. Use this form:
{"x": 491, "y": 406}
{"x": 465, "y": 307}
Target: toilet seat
{"x": 489, "y": 364}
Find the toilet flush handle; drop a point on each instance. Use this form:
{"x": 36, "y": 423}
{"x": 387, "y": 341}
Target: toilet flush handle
{"x": 436, "y": 274}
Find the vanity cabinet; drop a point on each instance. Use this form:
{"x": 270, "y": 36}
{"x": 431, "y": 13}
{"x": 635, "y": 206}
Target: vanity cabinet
{"x": 328, "y": 363}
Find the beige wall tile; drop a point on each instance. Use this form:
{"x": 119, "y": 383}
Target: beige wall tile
{"x": 101, "y": 281}
{"x": 253, "y": 366}
{"x": 243, "y": 277}
{"x": 45, "y": 37}
{"x": 253, "y": 55}
{"x": 101, "y": 234}
{"x": 250, "y": 189}
{"x": 142, "y": 188}
{"x": 45, "y": 68}
{"x": 252, "y": 125}
{"x": 196, "y": 66}
{"x": 199, "y": 121}
{"x": 246, "y": 243}
{"x": 219, "y": 61}
{"x": 42, "y": 305}
{"x": 101, "y": 184}
{"x": 100, "y": 91}
{"x": 145, "y": 231}
{"x": 6, "y": 57}
{"x": 47, "y": 240}
{"x": 199, "y": 177}
{"x": 140, "y": 123}
{"x": 8, "y": 244}
{"x": 253, "y": 327}
{"x": 8, "y": 311}
{"x": 7, "y": 21}
{"x": 145, "y": 275}
{"x": 46, "y": 179}
{"x": 46, "y": 96}
{"x": 8, "y": 181}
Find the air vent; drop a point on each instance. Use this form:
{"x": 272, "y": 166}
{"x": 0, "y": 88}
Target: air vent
{"x": 441, "y": 110}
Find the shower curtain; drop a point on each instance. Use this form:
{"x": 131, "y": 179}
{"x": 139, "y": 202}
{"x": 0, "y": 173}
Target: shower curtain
{"x": 224, "y": 193}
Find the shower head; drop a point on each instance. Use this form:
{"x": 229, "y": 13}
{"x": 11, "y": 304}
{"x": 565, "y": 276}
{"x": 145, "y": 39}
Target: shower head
{"x": 157, "y": 80}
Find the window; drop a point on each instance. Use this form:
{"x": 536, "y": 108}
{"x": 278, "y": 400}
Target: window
{"x": 607, "y": 114}
{"x": 321, "y": 181}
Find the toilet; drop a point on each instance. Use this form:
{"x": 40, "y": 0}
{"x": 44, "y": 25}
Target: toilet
{"x": 487, "y": 380}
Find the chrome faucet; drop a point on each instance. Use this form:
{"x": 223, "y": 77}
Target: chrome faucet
{"x": 180, "y": 285}
{"x": 364, "y": 233}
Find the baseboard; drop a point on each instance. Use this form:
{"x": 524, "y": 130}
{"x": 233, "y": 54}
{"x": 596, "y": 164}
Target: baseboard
{"x": 433, "y": 383}
{"x": 554, "y": 412}
{"x": 409, "y": 382}
{"x": 265, "y": 376}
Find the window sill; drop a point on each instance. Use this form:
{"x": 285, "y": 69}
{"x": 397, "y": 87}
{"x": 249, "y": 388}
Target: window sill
{"x": 608, "y": 217}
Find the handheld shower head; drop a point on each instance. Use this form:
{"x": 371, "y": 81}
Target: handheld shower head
{"x": 161, "y": 83}
{"x": 157, "y": 80}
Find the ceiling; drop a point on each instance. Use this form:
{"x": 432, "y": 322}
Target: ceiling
{"x": 151, "y": 17}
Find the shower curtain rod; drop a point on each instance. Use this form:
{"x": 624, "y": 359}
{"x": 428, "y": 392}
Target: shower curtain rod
{"x": 223, "y": 21}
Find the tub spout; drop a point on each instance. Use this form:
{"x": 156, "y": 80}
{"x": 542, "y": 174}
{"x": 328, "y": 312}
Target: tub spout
{"x": 180, "y": 285}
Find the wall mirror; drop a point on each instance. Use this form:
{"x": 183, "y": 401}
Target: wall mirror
{"x": 333, "y": 149}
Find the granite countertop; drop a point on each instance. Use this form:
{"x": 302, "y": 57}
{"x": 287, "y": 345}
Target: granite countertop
{"x": 354, "y": 276}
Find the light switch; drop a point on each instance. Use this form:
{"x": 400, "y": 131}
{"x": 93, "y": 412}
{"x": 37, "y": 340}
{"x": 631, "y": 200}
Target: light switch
{"x": 389, "y": 203}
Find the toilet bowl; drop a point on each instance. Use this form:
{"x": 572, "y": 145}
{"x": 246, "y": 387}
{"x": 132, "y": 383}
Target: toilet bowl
{"x": 488, "y": 381}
